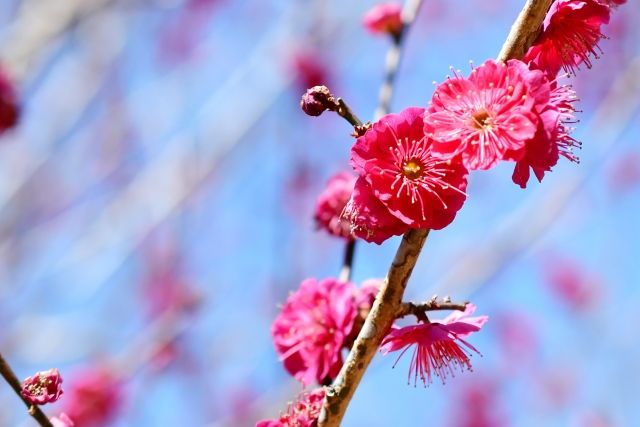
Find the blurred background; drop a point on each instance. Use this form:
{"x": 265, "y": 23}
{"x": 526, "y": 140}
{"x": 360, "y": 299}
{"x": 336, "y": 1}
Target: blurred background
{"x": 157, "y": 196}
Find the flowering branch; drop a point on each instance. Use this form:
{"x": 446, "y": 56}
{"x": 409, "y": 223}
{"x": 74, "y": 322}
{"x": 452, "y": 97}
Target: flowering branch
{"x": 14, "y": 382}
{"x": 389, "y": 299}
{"x": 418, "y": 310}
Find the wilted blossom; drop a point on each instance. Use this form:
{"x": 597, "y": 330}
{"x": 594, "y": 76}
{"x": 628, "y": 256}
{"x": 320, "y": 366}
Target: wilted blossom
{"x": 502, "y": 111}
{"x": 9, "y": 109}
{"x": 331, "y": 203}
{"x": 43, "y": 387}
{"x": 310, "y": 331}
{"x": 399, "y": 177}
{"x": 302, "y": 413}
{"x": 440, "y": 347}
{"x": 62, "y": 420}
{"x": 93, "y": 397}
{"x": 570, "y": 35}
{"x": 384, "y": 18}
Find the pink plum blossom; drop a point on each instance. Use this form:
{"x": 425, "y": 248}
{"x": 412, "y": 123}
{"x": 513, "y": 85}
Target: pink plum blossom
{"x": 394, "y": 159}
{"x": 310, "y": 331}
{"x": 482, "y": 119}
{"x": 570, "y": 35}
{"x": 43, "y": 387}
{"x": 440, "y": 346}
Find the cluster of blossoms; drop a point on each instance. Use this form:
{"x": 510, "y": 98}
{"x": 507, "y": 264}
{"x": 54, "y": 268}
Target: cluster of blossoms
{"x": 412, "y": 170}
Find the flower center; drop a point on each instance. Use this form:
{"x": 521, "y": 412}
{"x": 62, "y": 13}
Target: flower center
{"x": 412, "y": 169}
{"x": 481, "y": 120}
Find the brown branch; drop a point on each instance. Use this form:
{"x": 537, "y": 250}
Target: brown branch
{"x": 385, "y": 307}
{"x": 418, "y": 310}
{"x": 525, "y": 30}
{"x": 14, "y": 382}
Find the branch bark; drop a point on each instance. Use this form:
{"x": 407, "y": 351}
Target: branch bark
{"x": 389, "y": 299}
{"x": 14, "y": 382}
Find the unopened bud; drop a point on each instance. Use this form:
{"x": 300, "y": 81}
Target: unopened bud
{"x": 316, "y": 100}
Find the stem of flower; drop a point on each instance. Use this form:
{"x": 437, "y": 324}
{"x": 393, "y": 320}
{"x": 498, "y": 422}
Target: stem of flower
{"x": 345, "y": 112}
{"x": 389, "y": 299}
{"x": 407, "y": 308}
{"x": 15, "y": 384}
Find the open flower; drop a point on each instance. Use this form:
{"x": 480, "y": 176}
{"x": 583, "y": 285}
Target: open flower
{"x": 384, "y": 18}
{"x": 483, "y": 119}
{"x": 440, "y": 347}
{"x": 311, "y": 329}
{"x": 570, "y": 35}
{"x": 302, "y": 413}
{"x": 43, "y": 387}
{"x": 331, "y": 203}
{"x": 394, "y": 158}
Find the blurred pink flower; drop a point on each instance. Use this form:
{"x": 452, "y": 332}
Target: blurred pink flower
{"x": 395, "y": 159}
{"x": 477, "y": 405}
{"x": 518, "y": 339}
{"x": 302, "y": 413}
{"x": 572, "y": 283}
{"x": 62, "y": 420}
{"x": 570, "y": 35}
{"x": 331, "y": 203}
{"x": 94, "y": 397}
{"x": 625, "y": 172}
{"x": 9, "y": 109}
{"x": 384, "y": 18}
{"x": 43, "y": 387}
{"x": 310, "y": 331}
{"x": 440, "y": 346}
{"x": 309, "y": 69}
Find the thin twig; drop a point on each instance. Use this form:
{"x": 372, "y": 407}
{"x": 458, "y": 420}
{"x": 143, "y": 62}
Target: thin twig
{"x": 345, "y": 112}
{"x": 407, "y": 308}
{"x": 394, "y": 55}
{"x": 14, "y": 382}
{"x": 347, "y": 263}
{"x": 389, "y": 298}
